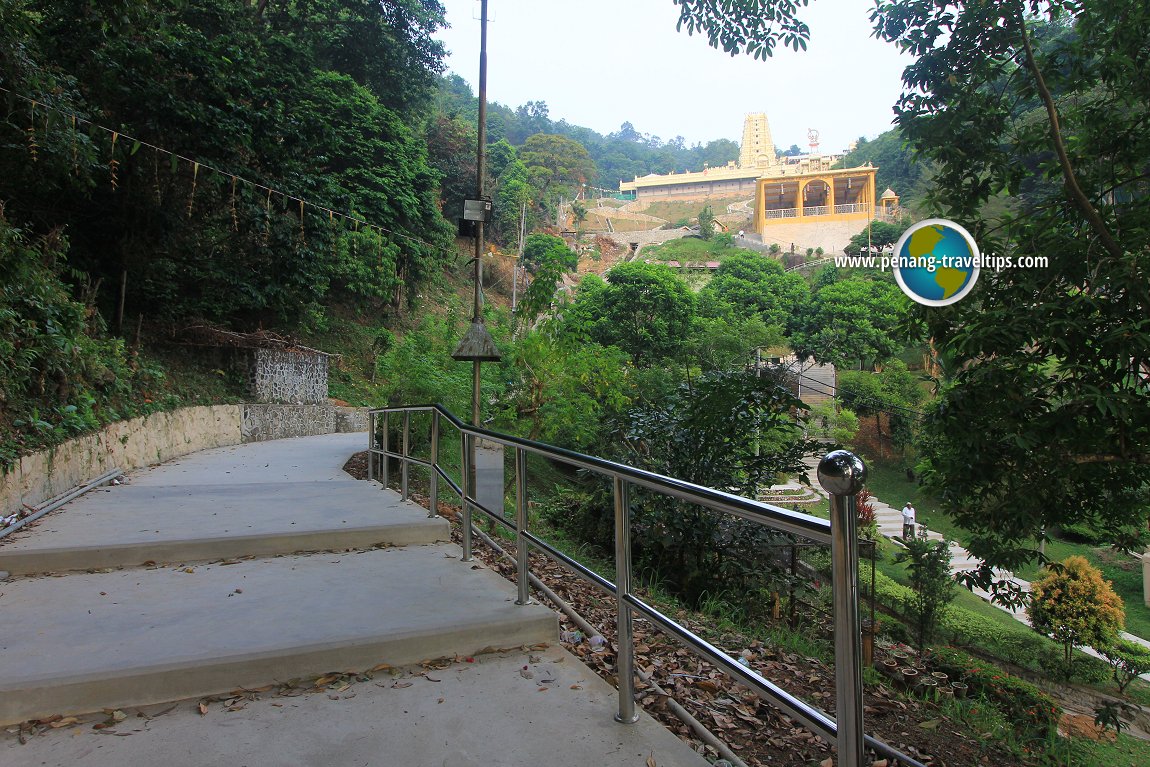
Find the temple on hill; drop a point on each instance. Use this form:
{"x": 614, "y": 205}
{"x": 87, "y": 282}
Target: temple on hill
{"x": 788, "y": 191}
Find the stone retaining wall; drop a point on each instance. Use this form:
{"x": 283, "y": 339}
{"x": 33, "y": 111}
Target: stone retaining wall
{"x": 297, "y": 376}
{"x": 161, "y": 437}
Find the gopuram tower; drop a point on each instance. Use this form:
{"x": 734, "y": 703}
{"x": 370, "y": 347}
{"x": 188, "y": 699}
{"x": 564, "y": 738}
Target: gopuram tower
{"x": 757, "y": 149}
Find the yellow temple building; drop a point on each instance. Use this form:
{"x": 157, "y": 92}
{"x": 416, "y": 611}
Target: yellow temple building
{"x": 787, "y": 191}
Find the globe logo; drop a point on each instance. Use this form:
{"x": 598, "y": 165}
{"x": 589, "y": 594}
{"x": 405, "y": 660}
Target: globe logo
{"x": 936, "y": 262}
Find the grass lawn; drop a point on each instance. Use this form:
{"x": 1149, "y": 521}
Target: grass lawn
{"x": 688, "y": 211}
{"x": 891, "y": 486}
{"x": 1125, "y": 752}
{"x": 691, "y": 249}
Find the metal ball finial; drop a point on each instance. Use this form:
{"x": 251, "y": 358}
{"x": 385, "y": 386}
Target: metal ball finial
{"x": 841, "y": 472}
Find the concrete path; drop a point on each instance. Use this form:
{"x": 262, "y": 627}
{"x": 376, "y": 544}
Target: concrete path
{"x": 196, "y": 588}
{"x": 529, "y": 708}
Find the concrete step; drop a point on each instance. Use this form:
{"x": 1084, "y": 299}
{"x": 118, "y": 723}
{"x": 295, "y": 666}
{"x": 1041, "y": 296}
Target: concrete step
{"x": 132, "y": 524}
{"x": 89, "y": 641}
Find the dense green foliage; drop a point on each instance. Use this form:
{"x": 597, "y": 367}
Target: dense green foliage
{"x": 852, "y": 321}
{"x": 747, "y": 284}
{"x": 898, "y": 167}
{"x": 1044, "y": 421}
{"x": 644, "y": 309}
{"x": 59, "y": 376}
{"x": 547, "y": 258}
{"x": 320, "y": 101}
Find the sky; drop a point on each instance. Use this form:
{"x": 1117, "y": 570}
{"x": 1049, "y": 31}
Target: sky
{"x": 600, "y": 63}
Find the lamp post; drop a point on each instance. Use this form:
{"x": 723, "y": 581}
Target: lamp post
{"x": 477, "y": 344}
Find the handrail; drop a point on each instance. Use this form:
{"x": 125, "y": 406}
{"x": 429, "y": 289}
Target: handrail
{"x": 836, "y": 472}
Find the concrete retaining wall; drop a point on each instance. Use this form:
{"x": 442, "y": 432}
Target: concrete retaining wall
{"x": 161, "y": 437}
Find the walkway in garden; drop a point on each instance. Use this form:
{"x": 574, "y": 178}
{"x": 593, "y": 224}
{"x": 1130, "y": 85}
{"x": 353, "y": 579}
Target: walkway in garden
{"x": 889, "y": 521}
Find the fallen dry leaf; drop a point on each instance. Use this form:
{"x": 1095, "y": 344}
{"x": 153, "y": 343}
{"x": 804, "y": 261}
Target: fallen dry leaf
{"x": 203, "y": 708}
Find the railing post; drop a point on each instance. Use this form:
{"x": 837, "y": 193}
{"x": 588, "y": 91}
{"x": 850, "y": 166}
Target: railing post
{"x": 625, "y": 661}
{"x": 406, "y": 450}
{"x": 434, "y": 500}
{"x": 468, "y": 492}
{"x": 383, "y": 474}
{"x": 370, "y": 446}
{"x": 522, "y": 568}
{"x": 842, "y": 474}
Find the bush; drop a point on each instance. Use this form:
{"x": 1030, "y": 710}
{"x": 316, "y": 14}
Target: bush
{"x": 1128, "y": 660}
{"x": 932, "y": 588}
{"x": 1074, "y": 605}
{"x": 59, "y": 377}
{"x": 964, "y": 628}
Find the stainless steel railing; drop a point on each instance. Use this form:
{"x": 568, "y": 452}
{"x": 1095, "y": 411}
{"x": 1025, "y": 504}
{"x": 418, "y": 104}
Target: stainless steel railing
{"x": 841, "y": 474}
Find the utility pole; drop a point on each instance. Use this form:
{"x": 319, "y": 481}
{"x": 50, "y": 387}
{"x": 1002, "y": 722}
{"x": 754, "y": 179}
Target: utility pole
{"x": 477, "y": 345}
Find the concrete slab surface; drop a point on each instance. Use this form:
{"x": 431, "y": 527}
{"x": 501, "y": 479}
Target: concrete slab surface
{"x": 301, "y": 459}
{"x": 505, "y": 710}
{"x": 87, "y": 641}
{"x": 127, "y": 525}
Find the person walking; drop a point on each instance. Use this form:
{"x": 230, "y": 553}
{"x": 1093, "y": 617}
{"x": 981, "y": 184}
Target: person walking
{"x": 908, "y": 521}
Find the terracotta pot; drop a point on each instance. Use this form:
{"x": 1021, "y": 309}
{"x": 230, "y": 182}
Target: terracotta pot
{"x": 909, "y": 676}
{"x": 959, "y": 689}
{"x": 889, "y": 667}
{"x": 900, "y": 656}
{"x": 939, "y": 677}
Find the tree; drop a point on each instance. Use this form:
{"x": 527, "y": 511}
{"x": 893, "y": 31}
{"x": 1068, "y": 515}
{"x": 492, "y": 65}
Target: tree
{"x": 707, "y": 433}
{"x": 928, "y": 565}
{"x": 1044, "y": 421}
{"x": 746, "y": 283}
{"x": 1041, "y": 104}
{"x": 644, "y": 309}
{"x": 1072, "y": 604}
{"x": 877, "y": 234}
{"x": 1128, "y": 660}
{"x": 566, "y": 390}
{"x": 751, "y": 26}
{"x": 315, "y": 111}
{"x": 451, "y": 151}
{"x": 851, "y": 321}
{"x": 706, "y": 223}
{"x": 556, "y": 164}
{"x": 548, "y": 258}
{"x": 513, "y": 202}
